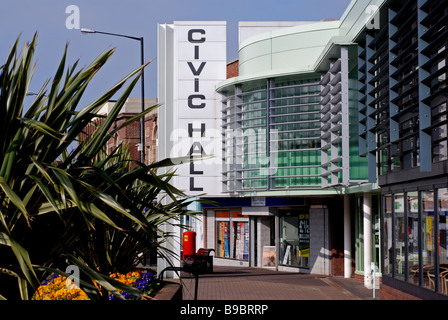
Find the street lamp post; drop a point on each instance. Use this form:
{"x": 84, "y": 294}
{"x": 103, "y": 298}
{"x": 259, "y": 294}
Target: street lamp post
{"x": 142, "y": 119}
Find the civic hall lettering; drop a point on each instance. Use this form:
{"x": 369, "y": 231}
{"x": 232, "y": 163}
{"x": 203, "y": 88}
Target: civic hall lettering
{"x": 196, "y": 100}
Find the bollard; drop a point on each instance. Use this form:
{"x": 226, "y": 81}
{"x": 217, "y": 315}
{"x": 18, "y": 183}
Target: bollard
{"x": 373, "y": 270}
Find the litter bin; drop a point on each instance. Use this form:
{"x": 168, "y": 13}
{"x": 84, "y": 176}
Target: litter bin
{"x": 188, "y": 245}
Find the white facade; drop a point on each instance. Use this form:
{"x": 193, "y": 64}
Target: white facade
{"x": 192, "y": 77}
{"x": 192, "y": 61}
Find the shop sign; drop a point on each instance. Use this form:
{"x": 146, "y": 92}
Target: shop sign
{"x": 196, "y": 53}
{"x": 258, "y": 201}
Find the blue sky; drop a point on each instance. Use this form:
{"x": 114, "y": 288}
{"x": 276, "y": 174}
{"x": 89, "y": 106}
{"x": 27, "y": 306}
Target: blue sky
{"x": 137, "y": 18}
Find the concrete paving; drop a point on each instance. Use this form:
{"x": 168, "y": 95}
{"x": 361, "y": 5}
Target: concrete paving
{"x": 246, "y": 283}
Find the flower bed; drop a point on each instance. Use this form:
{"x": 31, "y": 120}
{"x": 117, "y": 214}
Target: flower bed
{"x": 56, "y": 288}
{"x": 146, "y": 282}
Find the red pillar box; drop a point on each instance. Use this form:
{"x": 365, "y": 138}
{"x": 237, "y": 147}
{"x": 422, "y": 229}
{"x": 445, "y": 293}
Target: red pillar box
{"x": 189, "y": 244}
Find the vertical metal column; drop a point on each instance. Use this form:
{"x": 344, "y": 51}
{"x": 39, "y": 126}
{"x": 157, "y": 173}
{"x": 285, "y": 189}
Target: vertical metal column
{"x": 367, "y": 226}
{"x": 238, "y": 140}
{"x": 361, "y": 99}
{"x": 345, "y": 134}
{"x": 335, "y": 136}
{"x": 393, "y": 108}
{"x": 424, "y": 110}
{"x": 325, "y": 126}
{"x": 371, "y": 138}
{"x": 347, "y": 238}
{"x": 270, "y": 84}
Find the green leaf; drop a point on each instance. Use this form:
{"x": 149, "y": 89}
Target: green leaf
{"x": 23, "y": 286}
{"x": 42, "y": 128}
{"x": 22, "y": 257}
{"x": 93, "y": 210}
{"x": 65, "y": 183}
{"x": 14, "y": 198}
{"x": 47, "y": 193}
{"x": 107, "y": 199}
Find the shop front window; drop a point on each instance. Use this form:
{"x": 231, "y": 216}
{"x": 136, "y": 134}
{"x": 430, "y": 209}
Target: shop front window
{"x": 428, "y": 243}
{"x": 223, "y": 238}
{"x": 388, "y": 247}
{"x": 241, "y": 240}
{"x": 413, "y": 248}
{"x": 400, "y": 236}
{"x": 232, "y": 235}
{"x": 295, "y": 241}
{"x": 416, "y": 248}
{"x": 443, "y": 241}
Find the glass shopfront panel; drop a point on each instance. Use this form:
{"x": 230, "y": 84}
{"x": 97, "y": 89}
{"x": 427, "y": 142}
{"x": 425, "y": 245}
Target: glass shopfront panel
{"x": 442, "y": 239}
{"x": 412, "y": 219}
{"x": 295, "y": 239}
{"x": 388, "y": 227}
{"x": 416, "y": 247}
{"x": 240, "y": 239}
{"x": 400, "y": 236}
{"x": 427, "y": 236}
{"x": 222, "y": 239}
{"x": 232, "y": 235}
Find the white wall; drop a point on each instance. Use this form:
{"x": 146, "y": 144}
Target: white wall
{"x": 248, "y": 29}
{"x": 320, "y": 246}
{"x": 191, "y": 61}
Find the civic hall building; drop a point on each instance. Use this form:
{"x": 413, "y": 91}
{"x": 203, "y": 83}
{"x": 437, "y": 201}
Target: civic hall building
{"x": 324, "y": 145}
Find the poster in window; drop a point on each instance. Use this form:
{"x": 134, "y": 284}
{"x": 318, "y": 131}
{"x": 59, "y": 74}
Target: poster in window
{"x": 429, "y": 240}
{"x": 304, "y": 235}
{"x": 221, "y": 242}
{"x": 246, "y": 241}
{"x": 443, "y": 213}
{"x": 268, "y": 256}
{"x": 241, "y": 241}
{"x": 226, "y": 240}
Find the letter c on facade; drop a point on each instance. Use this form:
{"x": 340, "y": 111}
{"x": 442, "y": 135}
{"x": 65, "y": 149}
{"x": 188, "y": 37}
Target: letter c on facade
{"x": 193, "y": 31}
{"x": 196, "y": 106}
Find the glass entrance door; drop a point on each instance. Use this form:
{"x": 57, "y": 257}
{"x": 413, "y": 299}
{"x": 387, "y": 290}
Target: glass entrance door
{"x": 294, "y": 238}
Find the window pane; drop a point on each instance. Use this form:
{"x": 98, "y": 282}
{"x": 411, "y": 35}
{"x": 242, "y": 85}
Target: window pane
{"x": 294, "y": 248}
{"x": 400, "y": 235}
{"x": 443, "y": 252}
{"x": 413, "y": 237}
{"x": 290, "y": 243}
{"x": 241, "y": 240}
{"x": 388, "y": 254}
{"x": 304, "y": 237}
{"x": 443, "y": 212}
{"x": 222, "y": 239}
{"x": 428, "y": 237}
{"x": 222, "y": 234}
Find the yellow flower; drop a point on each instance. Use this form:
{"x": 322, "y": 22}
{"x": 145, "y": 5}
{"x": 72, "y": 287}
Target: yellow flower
{"x": 58, "y": 290}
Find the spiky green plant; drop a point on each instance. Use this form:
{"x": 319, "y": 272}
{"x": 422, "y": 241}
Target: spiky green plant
{"x": 61, "y": 204}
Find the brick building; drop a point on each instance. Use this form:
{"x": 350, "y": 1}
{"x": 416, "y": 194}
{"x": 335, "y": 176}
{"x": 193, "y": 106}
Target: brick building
{"x": 130, "y": 134}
